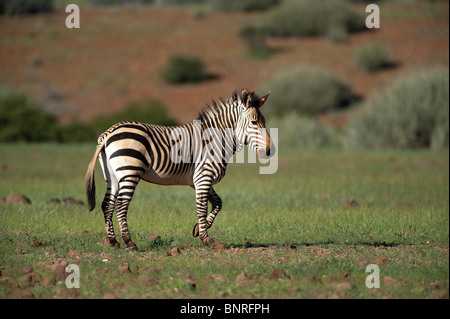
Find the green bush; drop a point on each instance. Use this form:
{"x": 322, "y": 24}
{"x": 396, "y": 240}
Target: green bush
{"x": 295, "y": 131}
{"x": 243, "y": 5}
{"x": 307, "y": 90}
{"x": 25, "y": 6}
{"x": 23, "y": 121}
{"x": 255, "y": 38}
{"x": 414, "y": 113}
{"x": 313, "y": 18}
{"x": 371, "y": 57}
{"x": 185, "y": 69}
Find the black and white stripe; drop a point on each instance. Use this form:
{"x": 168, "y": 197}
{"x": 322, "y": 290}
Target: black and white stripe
{"x": 194, "y": 154}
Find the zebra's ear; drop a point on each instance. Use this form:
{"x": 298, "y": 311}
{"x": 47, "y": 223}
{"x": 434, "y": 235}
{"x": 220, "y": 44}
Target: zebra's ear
{"x": 263, "y": 99}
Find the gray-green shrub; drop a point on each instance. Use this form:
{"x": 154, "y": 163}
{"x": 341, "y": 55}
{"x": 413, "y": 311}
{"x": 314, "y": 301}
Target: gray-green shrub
{"x": 307, "y": 90}
{"x": 22, "y": 120}
{"x": 313, "y": 18}
{"x": 243, "y": 5}
{"x": 185, "y": 69}
{"x": 371, "y": 57}
{"x": 295, "y": 131}
{"x": 414, "y": 113}
{"x": 25, "y": 6}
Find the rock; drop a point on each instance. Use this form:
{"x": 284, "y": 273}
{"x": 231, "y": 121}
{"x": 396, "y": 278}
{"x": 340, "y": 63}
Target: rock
{"x": 388, "y": 281}
{"x": 190, "y": 283}
{"x": 382, "y": 261}
{"x": 277, "y": 274}
{"x": 26, "y": 269}
{"x": 21, "y": 293}
{"x": 73, "y": 253}
{"x": 18, "y": 251}
{"x": 241, "y": 277}
{"x": 342, "y": 286}
{"x": 18, "y": 199}
{"x": 59, "y": 271}
{"x": 218, "y": 277}
{"x": 175, "y": 251}
{"x": 54, "y": 200}
{"x": 292, "y": 247}
{"x": 218, "y": 246}
{"x": 351, "y": 202}
{"x": 72, "y": 201}
{"x": 65, "y": 293}
{"x": 124, "y": 268}
{"x": 154, "y": 238}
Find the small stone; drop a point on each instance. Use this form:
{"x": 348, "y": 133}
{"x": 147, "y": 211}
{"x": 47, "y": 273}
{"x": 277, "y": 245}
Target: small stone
{"x": 277, "y": 274}
{"x": 175, "y": 251}
{"x": 18, "y": 199}
{"x": 382, "y": 261}
{"x": 154, "y": 238}
{"x": 218, "y": 277}
{"x": 59, "y": 271}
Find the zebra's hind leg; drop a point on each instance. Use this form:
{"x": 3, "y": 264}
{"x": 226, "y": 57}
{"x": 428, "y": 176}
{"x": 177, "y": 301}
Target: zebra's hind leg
{"x": 108, "y": 205}
{"x": 109, "y": 201}
{"x": 126, "y": 192}
{"x": 216, "y": 203}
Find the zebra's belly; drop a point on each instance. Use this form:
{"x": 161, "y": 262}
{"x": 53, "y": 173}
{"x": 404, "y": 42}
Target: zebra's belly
{"x": 157, "y": 178}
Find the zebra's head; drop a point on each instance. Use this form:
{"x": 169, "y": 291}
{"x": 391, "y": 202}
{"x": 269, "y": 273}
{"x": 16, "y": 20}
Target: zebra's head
{"x": 251, "y": 125}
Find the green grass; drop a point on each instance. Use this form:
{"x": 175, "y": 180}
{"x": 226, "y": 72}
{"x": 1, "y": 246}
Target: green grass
{"x": 402, "y": 215}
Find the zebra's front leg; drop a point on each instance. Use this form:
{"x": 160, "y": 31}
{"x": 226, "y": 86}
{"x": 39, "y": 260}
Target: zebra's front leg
{"x": 216, "y": 203}
{"x": 202, "y": 192}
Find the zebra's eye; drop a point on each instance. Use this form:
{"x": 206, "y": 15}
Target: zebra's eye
{"x": 254, "y": 123}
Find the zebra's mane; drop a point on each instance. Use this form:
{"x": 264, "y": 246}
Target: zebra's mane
{"x": 215, "y": 109}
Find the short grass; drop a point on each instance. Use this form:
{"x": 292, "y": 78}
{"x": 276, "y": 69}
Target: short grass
{"x": 300, "y": 221}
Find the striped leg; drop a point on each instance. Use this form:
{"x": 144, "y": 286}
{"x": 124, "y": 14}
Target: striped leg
{"x": 126, "y": 192}
{"x": 109, "y": 201}
{"x": 108, "y": 205}
{"x": 202, "y": 192}
{"x": 216, "y": 203}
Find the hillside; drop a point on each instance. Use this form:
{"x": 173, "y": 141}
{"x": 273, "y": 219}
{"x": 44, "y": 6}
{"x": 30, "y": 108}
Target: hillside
{"x": 117, "y": 55}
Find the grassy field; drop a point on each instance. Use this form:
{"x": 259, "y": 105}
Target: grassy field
{"x": 308, "y": 231}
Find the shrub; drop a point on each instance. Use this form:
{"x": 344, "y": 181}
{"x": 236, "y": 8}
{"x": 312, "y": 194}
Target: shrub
{"x": 313, "y": 18}
{"x": 23, "y": 121}
{"x": 414, "y": 113}
{"x": 255, "y": 38}
{"x": 25, "y": 6}
{"x": 295, "y": 131}
{"x": 371, "y": 57}
{"x": 243, "y": 5}
{"x": 184, "y": 69}
{"x": 307, "y": 90}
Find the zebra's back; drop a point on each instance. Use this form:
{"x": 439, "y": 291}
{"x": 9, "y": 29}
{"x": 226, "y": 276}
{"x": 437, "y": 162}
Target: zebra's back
{"x": 144, "y": 150}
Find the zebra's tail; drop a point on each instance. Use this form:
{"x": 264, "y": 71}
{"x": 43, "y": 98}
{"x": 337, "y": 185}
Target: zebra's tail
{"x": 90, "y": 178}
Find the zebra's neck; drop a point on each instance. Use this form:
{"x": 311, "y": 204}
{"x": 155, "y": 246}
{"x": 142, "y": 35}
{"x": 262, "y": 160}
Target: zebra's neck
{"x": 216, "y": 128}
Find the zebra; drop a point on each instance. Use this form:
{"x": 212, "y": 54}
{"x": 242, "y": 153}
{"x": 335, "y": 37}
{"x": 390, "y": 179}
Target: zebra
{"x": 131, "y": 151}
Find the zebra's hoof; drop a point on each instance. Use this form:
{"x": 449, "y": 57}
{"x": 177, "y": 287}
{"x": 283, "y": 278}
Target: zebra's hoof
{"x": 111, "y": 242}
{"x": 195, "y": 231}
{"x": 208, "y": 241}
